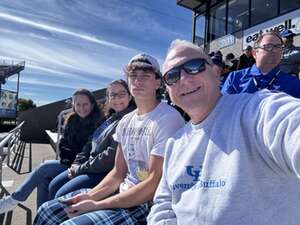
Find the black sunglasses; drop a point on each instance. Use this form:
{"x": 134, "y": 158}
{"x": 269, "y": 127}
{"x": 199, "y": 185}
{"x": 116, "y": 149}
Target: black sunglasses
{"x": 191, "y": 67}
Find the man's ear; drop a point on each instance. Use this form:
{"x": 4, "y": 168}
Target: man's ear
{"x": 130, "y": 97}
{"x": 158, "y": 83}
{"x": 254, "y": 53}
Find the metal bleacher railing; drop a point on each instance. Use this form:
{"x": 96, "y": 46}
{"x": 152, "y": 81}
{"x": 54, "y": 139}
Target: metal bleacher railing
{"x": 9, "y": 145}
{"x": 12, "y": 145}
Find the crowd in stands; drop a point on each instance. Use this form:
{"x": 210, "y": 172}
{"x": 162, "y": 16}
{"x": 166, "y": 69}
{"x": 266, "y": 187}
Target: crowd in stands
{"x": 227, "y": 141}
{"x": 288, "y": 57}
{"x": 266, "y": 72}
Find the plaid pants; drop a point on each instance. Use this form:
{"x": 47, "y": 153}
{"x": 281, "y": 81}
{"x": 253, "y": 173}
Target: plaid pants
{"x": 52, "y": 213}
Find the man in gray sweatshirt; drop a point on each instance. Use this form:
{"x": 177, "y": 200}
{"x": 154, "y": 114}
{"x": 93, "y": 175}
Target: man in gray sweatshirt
{"x": 237, "y": 161}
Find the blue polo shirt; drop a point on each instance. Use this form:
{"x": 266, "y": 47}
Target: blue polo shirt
{"x": 251, "y": 80}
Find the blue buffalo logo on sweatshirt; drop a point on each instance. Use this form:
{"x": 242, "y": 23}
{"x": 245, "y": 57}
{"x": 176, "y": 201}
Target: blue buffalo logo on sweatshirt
{"x": 195, "y": 173}
{"x": 196, "y": 182}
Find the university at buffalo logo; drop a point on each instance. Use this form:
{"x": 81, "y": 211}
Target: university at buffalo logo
{"x": 195, "y": 173}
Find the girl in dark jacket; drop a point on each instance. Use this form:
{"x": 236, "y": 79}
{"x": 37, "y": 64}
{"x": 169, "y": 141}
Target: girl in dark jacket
{"x": 78, "y": 127}
{"x": 97, "y": 156}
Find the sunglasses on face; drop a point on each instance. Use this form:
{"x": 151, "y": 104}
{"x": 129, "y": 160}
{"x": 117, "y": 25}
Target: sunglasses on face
{"x": 191, "y": 67}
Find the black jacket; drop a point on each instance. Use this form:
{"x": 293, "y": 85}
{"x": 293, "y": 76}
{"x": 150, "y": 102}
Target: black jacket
{"x": 76, "y": 134}
{"x": 101, "y": 159}
{"x": 245, "y": 62}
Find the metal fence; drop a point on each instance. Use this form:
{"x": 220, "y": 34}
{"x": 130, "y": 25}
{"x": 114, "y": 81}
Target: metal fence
{"x": 9, "y": 145}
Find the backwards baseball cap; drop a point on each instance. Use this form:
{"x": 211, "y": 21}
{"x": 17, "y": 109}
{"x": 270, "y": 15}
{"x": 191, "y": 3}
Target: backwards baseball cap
{"x": 287, "y": 33}
{"x": 145, "y": 61}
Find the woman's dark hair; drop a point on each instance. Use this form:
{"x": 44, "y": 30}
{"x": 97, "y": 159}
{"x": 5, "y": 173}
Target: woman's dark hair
{"x": 106, "y": 109}
{"x": 82, "y": 91}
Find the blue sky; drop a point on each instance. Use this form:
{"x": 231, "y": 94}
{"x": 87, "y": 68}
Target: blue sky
{"x": 68, "y": 44}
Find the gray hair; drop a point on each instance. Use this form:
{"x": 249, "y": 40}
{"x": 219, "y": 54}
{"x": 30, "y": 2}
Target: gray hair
{"x": 183, "y": 43}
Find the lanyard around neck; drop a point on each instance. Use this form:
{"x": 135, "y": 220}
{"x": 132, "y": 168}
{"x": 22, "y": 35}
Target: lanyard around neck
{"x": 270, "y": 83}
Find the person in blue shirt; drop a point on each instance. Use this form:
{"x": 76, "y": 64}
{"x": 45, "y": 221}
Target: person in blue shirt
{"x": 265, "y": 73}
{"x": 290, "y": 61}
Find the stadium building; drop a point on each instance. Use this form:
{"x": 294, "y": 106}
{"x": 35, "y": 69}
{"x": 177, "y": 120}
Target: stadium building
{"x": 232, "y": 25}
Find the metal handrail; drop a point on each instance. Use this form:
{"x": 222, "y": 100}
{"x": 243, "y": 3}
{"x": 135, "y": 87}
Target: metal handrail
{"x": 10, "y": 134}
{"x": 12, "y": 140}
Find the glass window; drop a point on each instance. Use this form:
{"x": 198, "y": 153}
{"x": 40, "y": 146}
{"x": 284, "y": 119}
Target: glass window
{"x": 287, "y": 5}
{"x": 262, "y": 10}
{"x": 200, "y": 30}
{"x": 238, "y": 15}
{"x": 217, "y": 22}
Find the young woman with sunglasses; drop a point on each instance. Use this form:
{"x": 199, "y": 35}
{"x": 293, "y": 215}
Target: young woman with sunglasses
{"x": 79, "y": 126}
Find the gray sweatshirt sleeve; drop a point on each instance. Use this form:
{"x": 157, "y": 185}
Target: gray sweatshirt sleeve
{"x": 162, "y": 212}
{"x": 277, "y": 132}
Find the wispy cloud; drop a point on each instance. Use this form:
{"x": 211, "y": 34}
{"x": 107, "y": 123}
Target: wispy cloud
{"x": 139, "y": 17}
{"x": 70, "y": 44}
{"x": 59, "y": 56}
{"x": 43, "y": 26}
{"x": 32, "y": 35}
{"x": 56, "y": 83}
{"x": 58, "y": 73}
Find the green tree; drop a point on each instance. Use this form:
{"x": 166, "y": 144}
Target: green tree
{"x": 25, "y": 104}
